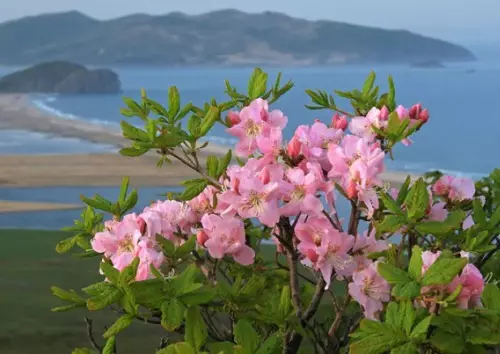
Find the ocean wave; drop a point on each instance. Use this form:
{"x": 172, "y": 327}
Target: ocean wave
{"x": 42, "y": 103}
{"x": 419, "y": 168}
{"x": 220, "y": 140}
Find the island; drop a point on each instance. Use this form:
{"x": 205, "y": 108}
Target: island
{"x": 61, "y": 77}
{"x": 219, "y": 38}
{"x": 428, "y": 64}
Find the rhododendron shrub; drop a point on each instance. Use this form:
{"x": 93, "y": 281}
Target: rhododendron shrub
{"x": 255, "y": 256}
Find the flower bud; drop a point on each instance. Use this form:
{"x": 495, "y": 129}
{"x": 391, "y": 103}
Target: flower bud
{"x": 201, "y": 237}
{"x": 311, "y": 255}
{"x": 339, "y": 122}
{"x": 141, "y": 224}
{"x": 265, "y": 175}
{"x": 415, "y": 111}
{"x": 424, "y": 116}
{"x": 293, "y": 148}
{"x": 233, "y": 118}
{"x": 352, "y": 190}
{"x": 384, "y": 113}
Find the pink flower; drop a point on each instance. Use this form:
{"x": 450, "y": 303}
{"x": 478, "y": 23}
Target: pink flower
{"x": 438, "y": 212}
{"x": 294, "y": 147}
{"x": 255, "y": 126}
{"x": 472, "y": 282}
{"x": 333, "y": 255}
{"x": 468, "y": 223}
{"x": 254, "y": 200}
{"x": 204, "y": 203}
{"x": 226, "y": 236}
{"x": 455, "y": 188}
{"x": 121, "y": 244}
{"x": 363, "y": 126}
{"x": 302, "y": 199}
{"x": 370, "y": 290}
{"x": 310, "y": 231}
{"x": 367, "y": 243}
{"x": 233, "y": 118}
{"x": 428, "y": 258}
{"x": 315, "y": 140}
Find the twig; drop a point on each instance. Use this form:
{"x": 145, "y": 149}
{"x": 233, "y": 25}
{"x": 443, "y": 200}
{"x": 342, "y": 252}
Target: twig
{"x": 353, "y": 220}
{"x": 338, "y": 317}
{"x": 90, "y": 335}
{"x": 213, "y": 181}
{"x": 292, "y": 259}
{"x": 334, "y": 224}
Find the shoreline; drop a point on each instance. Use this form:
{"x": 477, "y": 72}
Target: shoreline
{"x": 89, "y": 169}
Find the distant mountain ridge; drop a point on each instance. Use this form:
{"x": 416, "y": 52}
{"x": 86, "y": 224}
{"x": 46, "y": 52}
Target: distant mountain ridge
{"x": 225, "y": 37}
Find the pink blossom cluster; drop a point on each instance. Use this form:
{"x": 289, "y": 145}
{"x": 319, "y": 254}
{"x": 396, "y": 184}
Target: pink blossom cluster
{"x": 470, "y": 280}
{"x": 135, "y": 236}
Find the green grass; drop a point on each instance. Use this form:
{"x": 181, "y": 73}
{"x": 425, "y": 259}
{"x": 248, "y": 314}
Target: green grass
{"x": 29, "y": 267}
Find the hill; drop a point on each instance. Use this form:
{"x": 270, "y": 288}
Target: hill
{"x": 60, "y": 77}
{"x": 225, "y": 37}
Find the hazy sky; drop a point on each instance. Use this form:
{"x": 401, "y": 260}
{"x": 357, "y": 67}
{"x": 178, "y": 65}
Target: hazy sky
{"x": 468, "y": 22}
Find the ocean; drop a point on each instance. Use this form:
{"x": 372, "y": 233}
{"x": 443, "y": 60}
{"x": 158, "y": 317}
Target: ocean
{"x": 461, "y": 138}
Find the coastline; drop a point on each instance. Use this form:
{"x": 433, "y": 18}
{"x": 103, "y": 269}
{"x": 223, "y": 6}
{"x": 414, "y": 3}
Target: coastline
{"x": 86, "y": 169}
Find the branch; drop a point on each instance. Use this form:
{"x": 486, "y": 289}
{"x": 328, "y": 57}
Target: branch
{"x": 338, "y": 317}
{"x": 353, "y": 219}
{"x": 197, "y": 169}
{"x": 90, "y": 335}
{"x": 292, "y": 259}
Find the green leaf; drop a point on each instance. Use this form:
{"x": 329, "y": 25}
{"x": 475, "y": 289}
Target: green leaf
{"x": 390, "y": 203}
{"x": 134, "y": 107}
{"x": 70, "y": 296}
{"x": 257, "y": 84}
{"x": 194, "y": 123}
{"x": 177, "y": 348}
{"x": 415, "y": 266}
{"x": 391, "y": 97}
{"x": 105, "y": 299}
{"x": 198, "y": 297}
{"x": 64, "y": 308}
{"x": 133, "y": 152}
{"x": 220, "y": 348}
{"x": 491, "y": 297}
{"x": 393, "y": 125}
{"x": 65, "y": 245}
{"x": 120, "y": 324}
{"x": 417, "y": 200}
{"x": 224, "y": 163}
{"x": 97, "y": 202}
{"x": 123, "y": 190}
{"x": 172, "y": 314}
{"x": 212, "y": 166}
{"x": 408, "y": 348}
{"x": 209, "y": 120}
{"x": 194, "y": 187}
{"x": 408, "y": 316}
{"x": 271, "y": 345}
{"x": 109, "y": 348}
{"x": 392, "y": 274}
{"x": 246, "y": 336}
{"x": 111, "y": 273}
{"x": 133, "y": 133}
{"x": 443, "y": 271}
{"x": 167, "y": 246}
{"x": 196, "y": 330}
{"x": 285, "y": 305}
{"x": 174, "y": 102}
{"x": 390, "y": 224}
{"x": 479, "y": 215}
{"x": 130, "y": 202}
{"x": 447, "y": 342}
{"x": 100, "y": 288}
{"x": 420, "y": 330}
{"x": 368, "y": 85}
{"x": 403, "y": 191}
{"x": 376, "y": 339}
{"x": 406, "y": 291}
{"x": 186, "y": 248}
{"x": 127, "y": 275}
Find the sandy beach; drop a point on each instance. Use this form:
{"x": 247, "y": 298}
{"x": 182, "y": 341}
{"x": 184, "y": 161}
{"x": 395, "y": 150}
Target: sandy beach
{"x": 17, "y": 113}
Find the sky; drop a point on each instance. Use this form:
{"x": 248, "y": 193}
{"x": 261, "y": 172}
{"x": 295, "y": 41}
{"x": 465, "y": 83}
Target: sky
{"x": 461, "y": 21}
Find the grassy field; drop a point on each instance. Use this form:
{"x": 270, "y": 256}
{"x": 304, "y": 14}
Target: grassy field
{"x": 29, "y": 267}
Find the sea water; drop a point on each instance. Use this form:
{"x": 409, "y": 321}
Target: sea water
{"x": 462, "y": 137}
